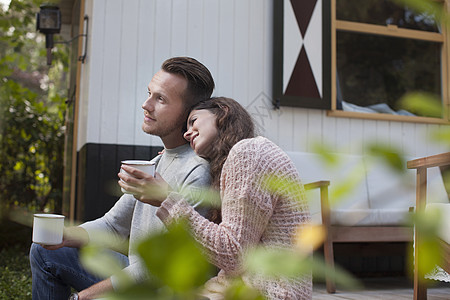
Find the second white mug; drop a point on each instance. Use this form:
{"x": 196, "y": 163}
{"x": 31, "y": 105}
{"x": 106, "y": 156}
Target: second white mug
{"x": 48, "y": 229}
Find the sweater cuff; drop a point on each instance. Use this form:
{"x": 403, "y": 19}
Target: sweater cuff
{"x": 167, "y": 212}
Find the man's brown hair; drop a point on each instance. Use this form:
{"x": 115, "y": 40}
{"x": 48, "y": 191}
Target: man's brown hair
{"x": 200, "y": 81}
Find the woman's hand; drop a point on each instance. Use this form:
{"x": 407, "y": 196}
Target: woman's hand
{"x": 144, "y": 187}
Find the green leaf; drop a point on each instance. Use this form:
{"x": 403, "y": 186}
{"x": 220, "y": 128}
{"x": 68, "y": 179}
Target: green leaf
{"x": 328, "y": 158}
{"x": 175, "y": 258}
{"x": 276, "y": 263}
{"x": 102, "y": 262}
{"x": 390, "y": 155}
{"x": 279, "y": 263}
{"x": 424, "y": 104}
{"x": 441, "y": 136}
{"x": 19, "y": 166}
{"x": 238, "y": 290}
{"x": 427, "y": 224}
{"x": 136, "y": 292}
{"x": 432, "y": 8}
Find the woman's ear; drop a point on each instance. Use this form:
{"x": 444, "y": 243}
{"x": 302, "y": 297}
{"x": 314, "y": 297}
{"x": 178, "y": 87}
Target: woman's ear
{"x": 224, "y": 108}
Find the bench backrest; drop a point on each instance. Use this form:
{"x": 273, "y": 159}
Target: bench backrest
{"x": 364, "y": 184}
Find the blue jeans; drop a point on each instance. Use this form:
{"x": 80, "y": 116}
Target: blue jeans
{"x": 55, "y": 272}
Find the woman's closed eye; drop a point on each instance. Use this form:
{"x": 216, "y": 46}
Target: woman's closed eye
{"x": 191, "y": 121}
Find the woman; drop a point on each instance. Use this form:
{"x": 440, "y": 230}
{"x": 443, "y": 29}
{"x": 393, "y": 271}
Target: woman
{"x": 221, "y": 131}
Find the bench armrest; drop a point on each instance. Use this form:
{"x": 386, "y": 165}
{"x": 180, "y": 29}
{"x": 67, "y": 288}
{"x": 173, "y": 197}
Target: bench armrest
{"x": 316, "y": 184}
{"x": 324, "y": 202}
{"x": 438, "y": 160}
{"x": 422, "y": 164}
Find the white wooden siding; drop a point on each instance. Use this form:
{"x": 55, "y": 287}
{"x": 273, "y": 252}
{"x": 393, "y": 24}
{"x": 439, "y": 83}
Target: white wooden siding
{"x": 130, "y": 39}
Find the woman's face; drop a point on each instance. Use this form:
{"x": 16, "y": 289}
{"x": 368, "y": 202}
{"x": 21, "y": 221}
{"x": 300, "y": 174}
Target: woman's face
{"x": 201, "y": 131}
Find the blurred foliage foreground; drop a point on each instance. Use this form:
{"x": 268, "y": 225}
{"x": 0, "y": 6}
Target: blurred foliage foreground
{"x": 179, "y": 269}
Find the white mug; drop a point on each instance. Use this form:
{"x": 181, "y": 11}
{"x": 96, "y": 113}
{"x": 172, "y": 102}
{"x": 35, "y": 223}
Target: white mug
{"x": 143, "y": 165}
{"x": 48, "y": 229}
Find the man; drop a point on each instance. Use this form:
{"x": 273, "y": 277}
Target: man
{"x": 180, "y": 83}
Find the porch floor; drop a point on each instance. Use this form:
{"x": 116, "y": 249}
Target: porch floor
{"x": 396, "y": 288}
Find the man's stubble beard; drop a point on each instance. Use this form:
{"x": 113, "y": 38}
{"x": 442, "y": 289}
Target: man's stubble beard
{"x": 162, "y": 132}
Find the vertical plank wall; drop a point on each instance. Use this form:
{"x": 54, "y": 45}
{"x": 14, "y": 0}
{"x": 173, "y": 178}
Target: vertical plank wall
{"x": 129, "y": 40}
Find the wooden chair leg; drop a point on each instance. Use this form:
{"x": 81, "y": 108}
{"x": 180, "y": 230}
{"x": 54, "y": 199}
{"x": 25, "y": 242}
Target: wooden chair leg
{"x": 420, "y": 288}
{"x": 328, "y": 245}
{"x": 329, "y": 260}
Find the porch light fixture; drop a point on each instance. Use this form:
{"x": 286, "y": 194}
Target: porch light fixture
{"x": 48, "y": 22}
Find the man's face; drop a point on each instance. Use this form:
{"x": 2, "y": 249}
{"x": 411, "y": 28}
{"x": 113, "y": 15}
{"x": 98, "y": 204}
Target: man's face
{"x": 164, "y": 111}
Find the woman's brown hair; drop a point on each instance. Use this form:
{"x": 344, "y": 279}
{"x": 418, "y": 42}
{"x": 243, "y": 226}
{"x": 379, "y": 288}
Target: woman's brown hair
{"x": 233, "y": 123}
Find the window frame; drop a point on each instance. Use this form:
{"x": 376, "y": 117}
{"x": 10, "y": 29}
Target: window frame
{"x": 391, "y": 31}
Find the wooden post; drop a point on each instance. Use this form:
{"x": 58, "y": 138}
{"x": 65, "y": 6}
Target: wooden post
{"x": 328, "y": 244}
{"x": 420, "y": 288}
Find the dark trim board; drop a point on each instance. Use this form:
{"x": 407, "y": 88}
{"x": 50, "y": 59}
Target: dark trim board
{"x": 97, "y": 168}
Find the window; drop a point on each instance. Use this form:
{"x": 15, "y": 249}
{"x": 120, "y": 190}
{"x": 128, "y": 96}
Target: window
{"x": 358, "y": 58}
{"x": 381, "y": 52}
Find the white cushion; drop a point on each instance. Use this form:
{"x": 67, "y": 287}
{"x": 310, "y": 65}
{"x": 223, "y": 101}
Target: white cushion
{"x": 389, "y": 188}
{"x": 436, "y": 192}
{"x": 312, "y": 167}
{"x": 444, "y": 226}
{"x": 369, "y": 217}
{"x": 313, "y": 197}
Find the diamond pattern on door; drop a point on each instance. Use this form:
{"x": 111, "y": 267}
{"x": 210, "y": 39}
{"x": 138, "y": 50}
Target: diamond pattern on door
{"x": 302, "y": 79}
{"x": 303, "y": 10}
{"x": 302, "y": 44}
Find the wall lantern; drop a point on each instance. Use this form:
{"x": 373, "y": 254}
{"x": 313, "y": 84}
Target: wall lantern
{"x": 48, "y": 22}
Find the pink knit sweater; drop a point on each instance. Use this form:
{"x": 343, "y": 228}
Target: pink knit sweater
{"x": 252, "y": 215}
